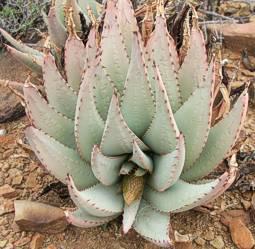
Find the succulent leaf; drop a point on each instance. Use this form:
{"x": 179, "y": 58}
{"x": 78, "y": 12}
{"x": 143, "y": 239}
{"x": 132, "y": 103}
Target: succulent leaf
{"x": 103, "y": 90}
{"x": 222, "y": 138}
{"x": 56, "y": 29}
{"x": 163, "y": 132}
{"x": 137, "y": 104}
{"x": 129, "y": 215}
{"x": 153, "y": 225}
{"x": 60, "y": 10}
{"x": 99, "y": 200}
{"x": 114, "y": 55}
{"x": 162, "y": 50}
{"x": 140, "y": 172}
{"x": 60, "y": 95}
{"x": 89, "y": 125}
{"x": 81, "y": 218}
{"x": 91, "y": 47}
{"x": 75, "y": 53}
{"x": 168, "y": 167}
{"x": 198, "y": 111}
{"x": 117, "y": 137}
{"x": 89, "y": 4}
{"x": 106, "y": 169}
{"x": 127, "y": 168}
{"x": 34, "y": 63}
{"x": 189, "y": 195}
{"x": 60, "y": 160}
{"x": 47, "y": 119}
{"x": 194, "y": 66}
{"x": 127, "y": 23}
{"x": 20, "y": 46}
{"x": 141, "y": 159}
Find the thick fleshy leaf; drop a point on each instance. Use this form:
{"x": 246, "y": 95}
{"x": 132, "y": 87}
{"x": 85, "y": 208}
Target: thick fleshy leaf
{"x": 56, "y": 29}
{"x": 137, "y": 104}
{"x": 194, "y": 66}
{"x": 60, "y": 95}
{"x": 140, "y": 172}
{"x": 162, "y": 50}
{"x": 60, "y": 160}
{"x": 127, "y": 23}
{"x": 19, "y": 45}
{"x": 99, "y": 200}
{"x": 76, "y": 13}
{"x": 183, "y": 196}
{"x": 92, "y": 4}
{"x": 34, "y": 63}
{"x": 153, "y": 225}
{"x": 222, "y": 138}
{"x": 127, "y": 168}
{"x": 91, "y": 46}
{"x": 163, "y": 133}
{"x": 117, "y": 137}
{"x": 83, "y": 219}
{"x": 168, "y": 167}
{"x": 60, "y": 10}
{"x": 89, "y": 126}
{"x": 103, "y": 90}
{"x": 47, "y": 119}
{"x": 114, "y": 55}
{"x": 75, "y": 53}
{"x": 141, "y": 159}
{"x": 129, "y": 215}
{"x": 106, "y": 169}
{"x": 194, "y": 120}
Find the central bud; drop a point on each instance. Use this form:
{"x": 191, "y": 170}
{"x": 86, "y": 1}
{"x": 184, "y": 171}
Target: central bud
{"x": 132, "y": 188}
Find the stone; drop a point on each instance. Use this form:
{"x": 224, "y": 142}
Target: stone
{"x": 237, "y": 36}
{"x": 39, "y": 217}
{"x": 6, "y": 207}
{"x": 37, "y": 241}
{"x": 240, "y": 234}
{"x": 150, "y": 246}
{"x": 183, "y": 245}
{"x": 209, "y": 235}
{"x": 22, "y": 241}
{"x": 17, "y": 180}
{"x": 246, "y": 204}
{"x": 7, "y": 191}
{"x": 200, "y": 241}
{"x": 51, "y": 247}
{"x": 31, "y": 181}
{"x": 2, "y": 132}
{"x": 10, "y": 106}
{"x": 3, "y": 243}
{"x": 229, "y": 215}
{"x": 218, "y": 242}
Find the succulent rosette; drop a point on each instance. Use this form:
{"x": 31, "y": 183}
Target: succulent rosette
{"x": 128, "y": 128}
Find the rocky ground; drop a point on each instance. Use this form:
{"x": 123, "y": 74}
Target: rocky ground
{"x": 226, "y": 223}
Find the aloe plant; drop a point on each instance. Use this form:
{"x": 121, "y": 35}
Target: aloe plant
{"x": 128, "y": 128}
{"x": 57, "y": 28}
